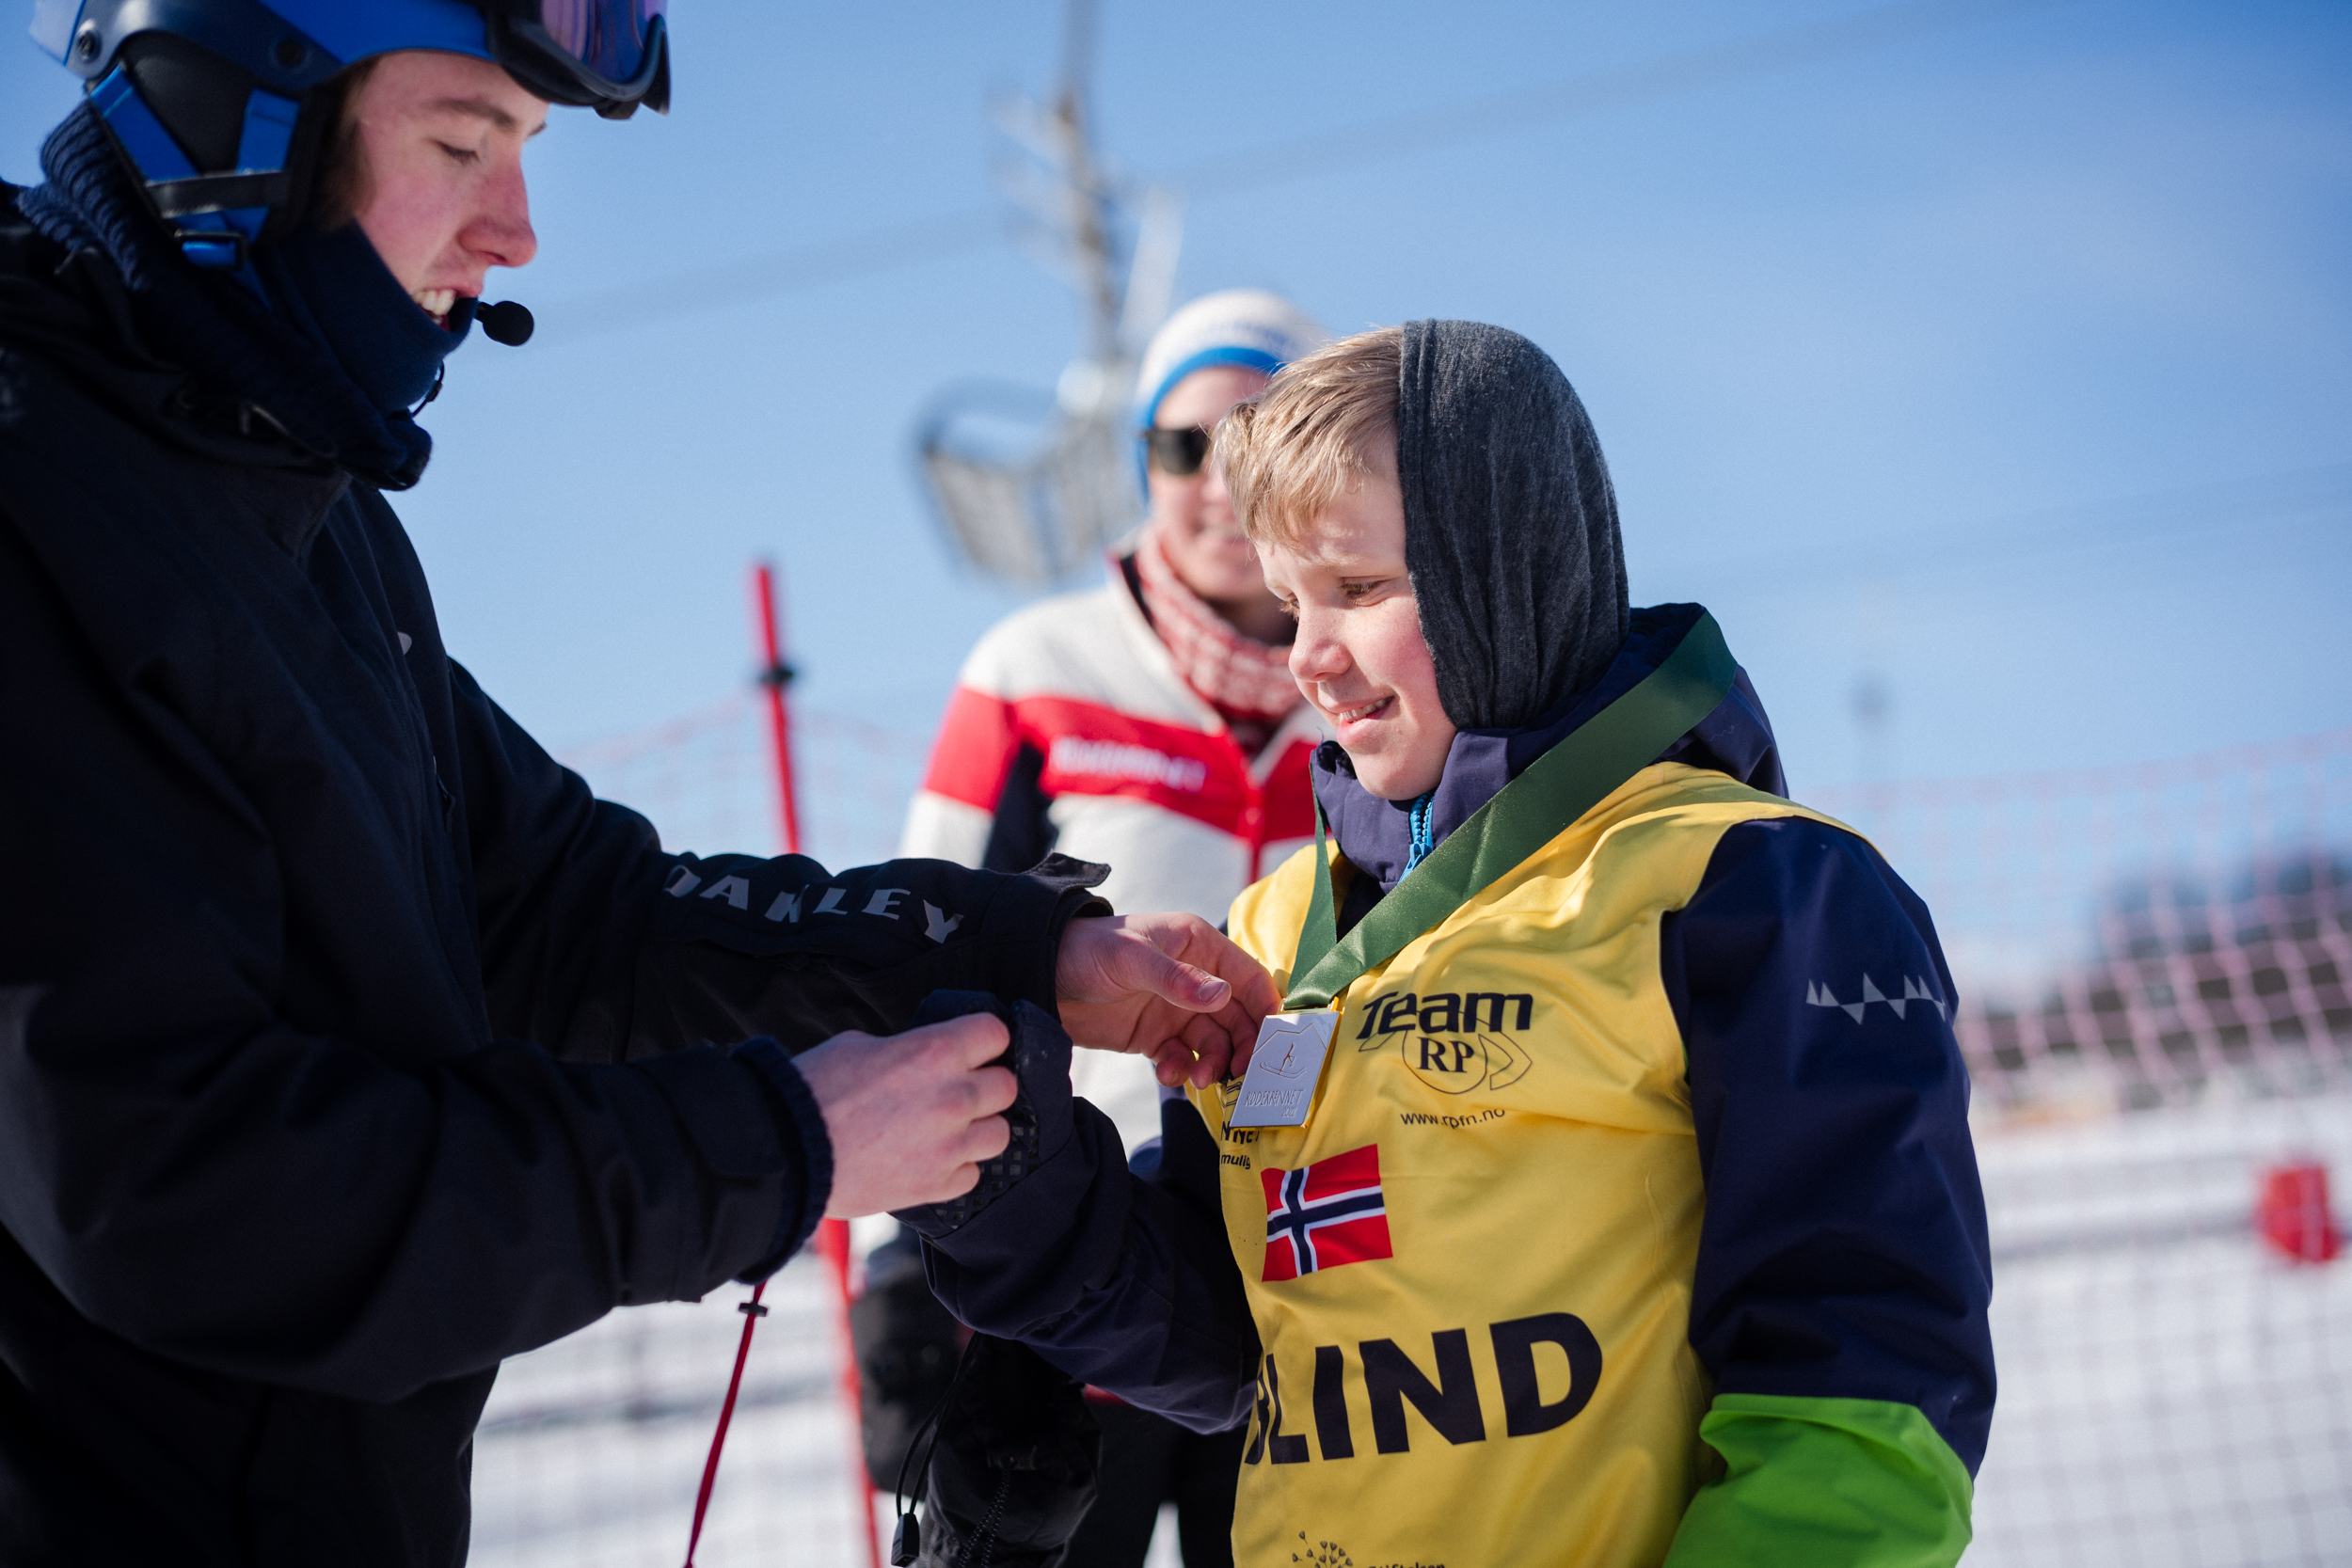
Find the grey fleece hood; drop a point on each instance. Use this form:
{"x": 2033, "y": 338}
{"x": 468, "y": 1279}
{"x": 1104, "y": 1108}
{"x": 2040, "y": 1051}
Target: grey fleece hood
{"x": 1510, "y": 525}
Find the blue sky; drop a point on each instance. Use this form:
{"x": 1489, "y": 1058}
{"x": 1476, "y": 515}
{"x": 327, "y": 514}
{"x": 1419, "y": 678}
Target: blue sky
{"x": 2007, "y": 364}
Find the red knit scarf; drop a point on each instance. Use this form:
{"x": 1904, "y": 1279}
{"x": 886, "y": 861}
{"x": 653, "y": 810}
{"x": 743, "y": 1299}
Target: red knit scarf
{"x": 1246, "y": 681}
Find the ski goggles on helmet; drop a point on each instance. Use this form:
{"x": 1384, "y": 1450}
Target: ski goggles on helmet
{"x": 607, "y": 54}
{"x": 1177, "y": 452}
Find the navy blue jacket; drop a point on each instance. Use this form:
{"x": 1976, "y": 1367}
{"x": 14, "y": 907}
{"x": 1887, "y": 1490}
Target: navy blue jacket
{"x": 347, "y": 1044}
{"x": 1843, "y": 1251}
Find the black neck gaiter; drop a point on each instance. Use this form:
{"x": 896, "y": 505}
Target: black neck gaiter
{"x": 1510, "y": 525}
{"x": 333, "y": 361}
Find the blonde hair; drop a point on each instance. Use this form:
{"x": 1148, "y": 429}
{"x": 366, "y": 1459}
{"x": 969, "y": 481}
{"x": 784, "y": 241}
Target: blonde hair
{"x": 1323, "y": 426}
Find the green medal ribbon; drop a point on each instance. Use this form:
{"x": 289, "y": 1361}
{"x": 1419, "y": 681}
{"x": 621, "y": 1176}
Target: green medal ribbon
{"x": 1558, "y": 788}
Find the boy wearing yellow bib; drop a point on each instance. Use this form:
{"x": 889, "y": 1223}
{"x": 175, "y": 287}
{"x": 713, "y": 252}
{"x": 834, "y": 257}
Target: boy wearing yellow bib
{"x": 1605, "y": 1194}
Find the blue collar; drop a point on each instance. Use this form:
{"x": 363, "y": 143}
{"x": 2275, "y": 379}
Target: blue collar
{"x": 336, "y": 288}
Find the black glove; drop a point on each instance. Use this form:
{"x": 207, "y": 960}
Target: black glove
{"x": 1013, "y": 1474}
{"x": 1040, "y": 1116}
{"x": 906, "y": 1353}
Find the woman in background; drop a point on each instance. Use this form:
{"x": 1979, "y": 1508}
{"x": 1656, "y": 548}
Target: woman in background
{"x": 1150, "y": 723}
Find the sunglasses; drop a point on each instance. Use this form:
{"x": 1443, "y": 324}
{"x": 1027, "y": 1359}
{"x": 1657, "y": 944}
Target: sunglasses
{"x": 1178, "y": 454}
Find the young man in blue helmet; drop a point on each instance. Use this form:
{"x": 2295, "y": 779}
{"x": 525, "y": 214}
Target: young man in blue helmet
{"x": 1607, "y": 1197}
{"x": 346, "y": 1044}
{"x": 1150, "y": 723}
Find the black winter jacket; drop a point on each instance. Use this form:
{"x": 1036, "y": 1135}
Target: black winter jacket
{"x": 347, "y": 1044}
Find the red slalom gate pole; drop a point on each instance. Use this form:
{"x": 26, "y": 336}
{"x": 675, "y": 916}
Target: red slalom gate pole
{"x": 833, "y": 1236}
{"x": 775, "y": 675}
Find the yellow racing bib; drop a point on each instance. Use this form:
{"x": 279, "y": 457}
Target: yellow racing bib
{"x": 1471, "y": 1268}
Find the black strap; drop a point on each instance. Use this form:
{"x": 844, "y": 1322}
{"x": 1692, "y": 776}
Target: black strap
{"x": 219, "y": 193}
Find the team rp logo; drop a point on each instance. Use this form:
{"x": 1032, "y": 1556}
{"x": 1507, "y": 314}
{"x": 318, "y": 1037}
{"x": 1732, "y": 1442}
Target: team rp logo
{"x": 1452, "y": 1064}
{"x": 1323, "y": 1214}
{"x": 1453, "y": 1042}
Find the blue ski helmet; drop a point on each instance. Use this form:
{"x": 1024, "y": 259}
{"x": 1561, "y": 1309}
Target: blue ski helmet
{"x": 209, "y": 100}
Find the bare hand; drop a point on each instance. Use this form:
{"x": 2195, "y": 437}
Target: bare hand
{"x": 909, "y": 1116}
{"x": 1169, "y": 987}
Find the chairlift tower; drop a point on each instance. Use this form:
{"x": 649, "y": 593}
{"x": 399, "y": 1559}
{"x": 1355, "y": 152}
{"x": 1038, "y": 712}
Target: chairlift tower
{"x": 1033, "y": 485}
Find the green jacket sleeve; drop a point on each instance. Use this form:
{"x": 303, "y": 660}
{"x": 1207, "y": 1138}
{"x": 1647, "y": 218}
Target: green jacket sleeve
{"x": 1824, "y": 1483}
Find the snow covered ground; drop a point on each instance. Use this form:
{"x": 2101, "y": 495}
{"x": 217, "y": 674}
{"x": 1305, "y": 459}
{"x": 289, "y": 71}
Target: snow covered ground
{"x": 592, "y": 1449}
{"x": 2173, "y": 1393}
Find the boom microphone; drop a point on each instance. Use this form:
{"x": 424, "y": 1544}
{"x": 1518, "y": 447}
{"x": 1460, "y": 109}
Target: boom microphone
{"x": 504, "y": 323}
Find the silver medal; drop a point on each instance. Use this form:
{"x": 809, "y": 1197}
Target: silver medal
{"x": 1280, "y": 1086}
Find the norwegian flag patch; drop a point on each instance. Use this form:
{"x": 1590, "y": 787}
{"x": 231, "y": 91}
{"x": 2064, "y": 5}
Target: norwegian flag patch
{"x": 1324, "y": 1214}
